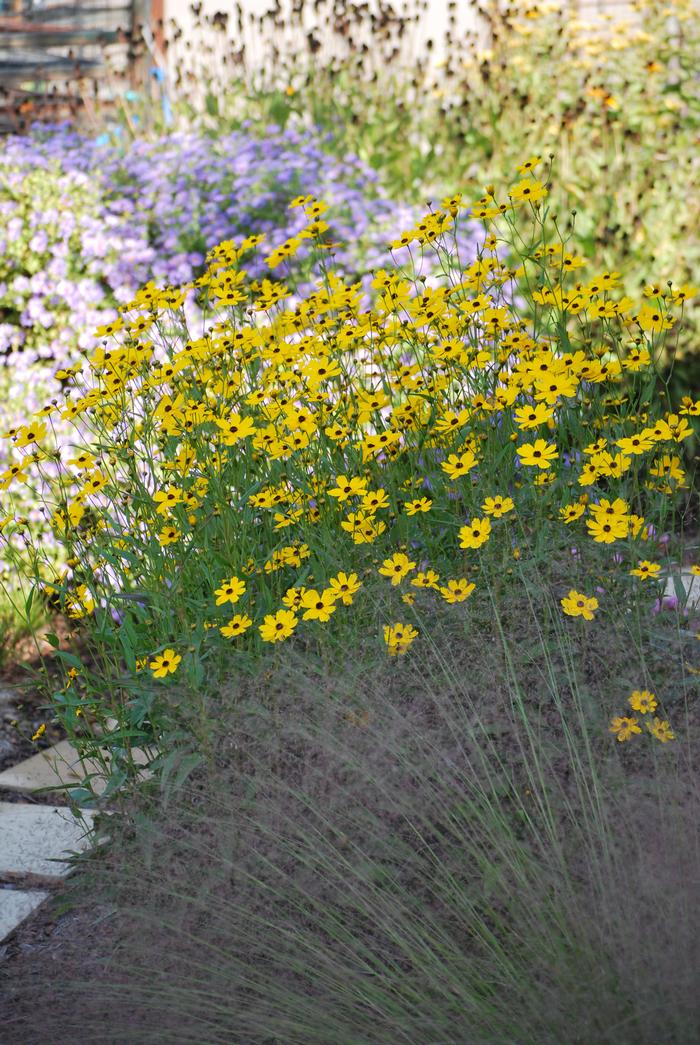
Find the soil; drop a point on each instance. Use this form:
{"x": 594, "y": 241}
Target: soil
{"x": 22, "y": 712}
{"x": 23, "y": 709}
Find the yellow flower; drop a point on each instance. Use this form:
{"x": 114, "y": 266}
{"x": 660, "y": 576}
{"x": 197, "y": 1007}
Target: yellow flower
{"x": 318, "y": 605}
{"x": 373, "y": 500}
{"x": 165, "y": 663}
{"x": 653, "y": 319}
{"x": 399, "y": 637}
{"x": 643, "y": 701}
{"x": 29, "y": 434}
{"x": 293, "y": 598}
{"x": 533, "y": 416}
{"x": 623, "y": 727}
{"x": 458, "y": 465}
{"x": 278, "y": 626}
{"x": 168, "y": 499}
{"x": 40, "y": 731}
{"x": 234, "y": 428}
{"x": 635, "y": 444}
{"x": 646, "y": 569}
{"x": 236, "y": 626}
{"x": 457, "y": 591}
{"x": 683, "y": 293}
{"x": 345, "y": 487}
{"x": 539, "y": 454}
{"x": 498, "y": 506}
{"x": 475, "y": 534}
{"x": 397, "y": 567}
{"x": 168, "y": 535}
{"x": 422, "y": 504}
{"x": 570, "y": 512}
{"x": 344, "y": 586}
{"x": 578, "y": 605}
{"x": 230, "y": 591}
{"x": 605, "y": 529}
{"x": 661, "y": 729}
{"x": 429, "y": 579}
{"x": 528, "y": 191}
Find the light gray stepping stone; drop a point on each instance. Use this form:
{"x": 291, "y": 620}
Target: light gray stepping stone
{"x": 57, "y": 766}
{"x": 690, "y": 583}
{"x": 33, "y": 838}
{"x": 15, "y": 906}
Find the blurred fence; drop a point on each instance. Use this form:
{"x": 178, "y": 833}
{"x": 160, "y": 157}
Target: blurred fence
{"x": 55, "y": 56}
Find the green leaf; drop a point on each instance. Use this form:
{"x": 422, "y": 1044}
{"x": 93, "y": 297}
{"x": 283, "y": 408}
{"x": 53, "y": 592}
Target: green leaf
{"x": 69, "y": 658}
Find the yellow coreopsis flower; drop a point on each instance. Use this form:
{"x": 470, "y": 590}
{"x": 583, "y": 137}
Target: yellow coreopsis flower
{"x": 653, "y": 319}
{"x": 421, "y": 504}
{"x": 646, "y": 569}
{"x": 278, "y": 626}
{"x": 539, "y": 454}
{"x": 397, "y": 567}
{"x": 571, "y": 512}
{"x": 29, "y": 434}
{"x": 635, "y": 444}
{"x": 624, "y": 727}
{"x": 661, "y": 730}
{"x": 575, "y": 604}
{"x": 318, "y": 605}
{"x": 475, "y": 533}
{"x": 533, "y": 416}
{"x": 344, "y": 586}
{"x": 427, "y": 579}
{"x": 348, "y": 487}
{"x": 643, "y": 701}
{"x": 168, "y": 535}
{"x": 230, "y": 591}
{"x": 399, "y": 638}
{"x": 605, "y": 529}
{"x": 457, "y": 590}
{"x": 498, "y": 506}
{"x": 236, "y": 626}
{"x": 458, "y": 465}
{"x": 168, "y": 499}
{"x": 165, "y": 663}
{"x": 528, "y": 191}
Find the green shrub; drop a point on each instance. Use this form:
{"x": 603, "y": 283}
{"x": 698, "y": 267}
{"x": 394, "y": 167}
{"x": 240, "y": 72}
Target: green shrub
{"x": 230, "y": 488}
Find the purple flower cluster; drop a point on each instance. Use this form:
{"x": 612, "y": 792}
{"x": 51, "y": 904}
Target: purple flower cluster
{"x": 84, "y": 223}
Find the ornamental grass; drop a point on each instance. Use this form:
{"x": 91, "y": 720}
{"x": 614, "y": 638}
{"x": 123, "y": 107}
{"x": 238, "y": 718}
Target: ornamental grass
{"x": 434, "y": 849}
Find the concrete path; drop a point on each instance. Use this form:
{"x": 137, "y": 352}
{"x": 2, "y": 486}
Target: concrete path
{"x": 37, "y": 840}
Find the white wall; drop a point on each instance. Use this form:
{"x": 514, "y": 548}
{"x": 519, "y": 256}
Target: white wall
{"x": 433, "y": 20}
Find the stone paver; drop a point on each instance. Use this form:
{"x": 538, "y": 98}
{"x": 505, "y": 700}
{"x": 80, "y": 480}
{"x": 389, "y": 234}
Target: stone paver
{"x": 33, "y": 838}
{"x": 58, "y": 767}
{"x": 15, "y": 906}
{"x": 691, "y": 583}
{"x": 55, "y": 767}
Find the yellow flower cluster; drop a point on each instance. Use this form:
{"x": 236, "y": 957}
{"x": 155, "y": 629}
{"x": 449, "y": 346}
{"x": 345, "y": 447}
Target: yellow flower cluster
{"x": 303, "y": 442}
{"x": 644, "y": 703}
